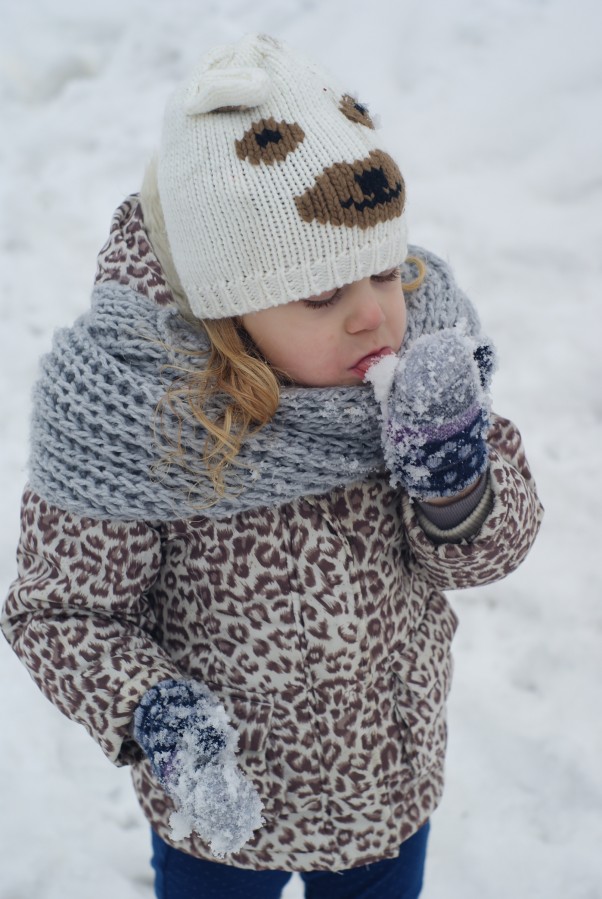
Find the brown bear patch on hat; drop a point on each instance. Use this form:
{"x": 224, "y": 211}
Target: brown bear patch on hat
{"x": 358, "y": 194}
{"x": 269, "y": 141}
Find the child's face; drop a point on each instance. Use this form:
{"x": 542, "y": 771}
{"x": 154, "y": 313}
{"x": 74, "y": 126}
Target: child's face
{"x": 323, "y": 341}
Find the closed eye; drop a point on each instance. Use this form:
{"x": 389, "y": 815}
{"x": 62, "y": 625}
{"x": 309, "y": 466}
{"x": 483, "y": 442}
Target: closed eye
{"x": 322, "y": 304}
{"x": 384, "y": 277}
{"x": 393, "y": 275}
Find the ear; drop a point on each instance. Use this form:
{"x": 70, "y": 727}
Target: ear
{"x": 154, "y": 225}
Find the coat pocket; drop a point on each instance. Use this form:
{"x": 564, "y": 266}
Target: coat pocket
{"x": 251, "y": 717}
{"x": 423, "y": 672}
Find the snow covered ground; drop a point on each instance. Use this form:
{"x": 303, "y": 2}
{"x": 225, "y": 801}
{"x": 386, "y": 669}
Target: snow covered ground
{"x": 493, "y": 108}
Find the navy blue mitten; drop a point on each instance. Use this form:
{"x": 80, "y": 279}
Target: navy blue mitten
{"x": 186, "y": 735}
{"x": 436, "y": 412}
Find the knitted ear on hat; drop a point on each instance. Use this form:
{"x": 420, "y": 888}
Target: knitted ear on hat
{"x": 273, "y": 184}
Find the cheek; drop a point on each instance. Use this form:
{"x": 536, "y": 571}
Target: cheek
{"x": 310, "y": 345}
{"x": 267, "y": 334}
{"x": 401, "y": 317}
{"x": 287, "y": 342}
{"x": 312, "y": 358}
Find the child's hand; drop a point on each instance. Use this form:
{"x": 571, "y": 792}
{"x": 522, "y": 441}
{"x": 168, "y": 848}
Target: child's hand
{"x": 191, "y": 746}
{"x": 435, "y": 408}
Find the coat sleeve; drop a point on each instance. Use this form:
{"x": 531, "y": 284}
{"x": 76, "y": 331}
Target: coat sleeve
{"x": 507, "y": 533}
{"x": 79, "y": 618}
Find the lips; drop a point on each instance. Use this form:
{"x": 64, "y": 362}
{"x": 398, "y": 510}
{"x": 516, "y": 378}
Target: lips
{"x": 362, "y": 365}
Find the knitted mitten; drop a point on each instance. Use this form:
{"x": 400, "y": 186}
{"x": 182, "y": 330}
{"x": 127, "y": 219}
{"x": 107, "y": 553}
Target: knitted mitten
{"x": 191, "y": 746}
{"x": 435, "y": 406}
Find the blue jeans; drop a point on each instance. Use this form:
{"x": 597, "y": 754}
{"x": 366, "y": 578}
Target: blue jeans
{"x": 182, "y": 876}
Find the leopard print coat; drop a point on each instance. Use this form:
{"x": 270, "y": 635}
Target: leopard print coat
{"x": 319, "y": 624}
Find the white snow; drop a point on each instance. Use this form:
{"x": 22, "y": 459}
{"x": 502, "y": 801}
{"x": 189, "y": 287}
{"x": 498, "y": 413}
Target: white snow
{"x": 493, "y": 110}
{"x": 380, "y": 375}
{"x": 216, "y": 801}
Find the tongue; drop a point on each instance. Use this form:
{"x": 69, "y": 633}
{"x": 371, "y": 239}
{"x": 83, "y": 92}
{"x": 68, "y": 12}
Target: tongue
{"x": 369, "y": 361}
{"x": 381, "y": 376}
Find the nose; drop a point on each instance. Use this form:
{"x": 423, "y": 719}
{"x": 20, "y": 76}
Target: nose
{"x": 365, "y": 312}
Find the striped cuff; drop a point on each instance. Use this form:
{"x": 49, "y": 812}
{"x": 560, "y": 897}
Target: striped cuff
{"x": 460, "y": 520}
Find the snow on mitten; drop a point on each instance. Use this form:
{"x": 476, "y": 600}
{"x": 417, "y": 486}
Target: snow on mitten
{"x": 435, "y": 406}
{"x": 186, "y": 734}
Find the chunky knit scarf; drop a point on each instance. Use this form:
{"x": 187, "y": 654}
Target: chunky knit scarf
{"x": 96, "y": 445}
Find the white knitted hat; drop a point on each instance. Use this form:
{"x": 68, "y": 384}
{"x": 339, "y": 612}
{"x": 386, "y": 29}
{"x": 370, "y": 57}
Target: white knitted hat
{"x": 273, "y": 184}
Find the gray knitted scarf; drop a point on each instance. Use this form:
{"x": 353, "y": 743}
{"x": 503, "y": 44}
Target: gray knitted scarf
{"x": 96, "y": 447}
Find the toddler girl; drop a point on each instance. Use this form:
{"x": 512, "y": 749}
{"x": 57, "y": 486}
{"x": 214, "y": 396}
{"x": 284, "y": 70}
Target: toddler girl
{"x": 255, "y": 463}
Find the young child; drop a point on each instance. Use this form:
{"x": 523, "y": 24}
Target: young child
{"x": 255, "y": 464}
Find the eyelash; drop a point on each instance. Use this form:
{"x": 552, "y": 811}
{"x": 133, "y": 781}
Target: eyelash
{"x": 323, "y": 304}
